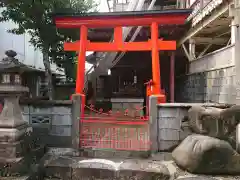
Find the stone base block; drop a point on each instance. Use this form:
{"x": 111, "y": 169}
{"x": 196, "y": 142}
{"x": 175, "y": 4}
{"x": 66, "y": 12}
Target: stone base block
{"x": 14, "y": 143}
{"x": 11, "y": 149}
{"x": 20, "y": 165}
{"x": 14, "y": 134}
{"x": 11, "y": 166}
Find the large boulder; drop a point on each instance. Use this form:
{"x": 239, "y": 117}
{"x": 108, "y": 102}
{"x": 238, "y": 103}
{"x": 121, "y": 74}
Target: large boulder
{"x": 206, "y": 155}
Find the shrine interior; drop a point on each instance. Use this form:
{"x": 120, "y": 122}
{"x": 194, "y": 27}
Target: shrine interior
{"x": 128, "y": 76}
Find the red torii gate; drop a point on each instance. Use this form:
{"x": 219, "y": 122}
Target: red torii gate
{"x": 117, "y": 20}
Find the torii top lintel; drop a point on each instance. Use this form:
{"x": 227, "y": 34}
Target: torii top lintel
{"x": 114, "y": 19}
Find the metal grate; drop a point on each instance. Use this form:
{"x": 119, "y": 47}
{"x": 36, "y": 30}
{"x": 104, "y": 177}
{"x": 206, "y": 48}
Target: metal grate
{"x": 114, "y": 131}
{"x": 40, "y": 119}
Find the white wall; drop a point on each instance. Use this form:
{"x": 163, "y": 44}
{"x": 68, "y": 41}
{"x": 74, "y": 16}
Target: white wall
{"x": 211, "y": 78}
{"x": 20, "y": 43}
{"x": 219, "y": 59}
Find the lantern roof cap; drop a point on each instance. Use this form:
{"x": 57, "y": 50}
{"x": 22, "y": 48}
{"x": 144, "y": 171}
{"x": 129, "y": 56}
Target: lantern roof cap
{"x": 10, "y": 63}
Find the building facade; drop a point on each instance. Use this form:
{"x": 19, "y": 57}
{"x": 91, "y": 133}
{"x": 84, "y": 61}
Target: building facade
{"x": 209, "y": 46}
{"x": 27, "y": 55}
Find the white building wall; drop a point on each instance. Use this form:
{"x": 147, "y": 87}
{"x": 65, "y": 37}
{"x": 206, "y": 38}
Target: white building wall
{"x": 27, "y": 54}
{"x": 19, "y": 43}
{"x": 211, "y": 78}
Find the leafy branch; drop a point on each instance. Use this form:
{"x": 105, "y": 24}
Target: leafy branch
{"x": 34, "y": 17}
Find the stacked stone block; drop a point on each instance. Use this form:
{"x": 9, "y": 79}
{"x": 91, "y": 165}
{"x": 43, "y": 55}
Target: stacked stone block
{"x": 217, "y": 86}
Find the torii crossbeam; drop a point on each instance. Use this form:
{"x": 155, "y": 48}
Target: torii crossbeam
{"x": 118, "y": 20}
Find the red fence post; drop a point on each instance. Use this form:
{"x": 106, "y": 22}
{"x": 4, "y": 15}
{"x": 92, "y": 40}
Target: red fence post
{"x": 172, "y": 77}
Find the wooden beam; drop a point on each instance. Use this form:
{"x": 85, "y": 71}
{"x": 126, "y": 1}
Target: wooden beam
{"x": 186, "y": 52}
{"x": 207, "y": 40}
{"x": 204, "y": 50}
{"x": 194, "y": 30}
{"x": 127, "y": 46}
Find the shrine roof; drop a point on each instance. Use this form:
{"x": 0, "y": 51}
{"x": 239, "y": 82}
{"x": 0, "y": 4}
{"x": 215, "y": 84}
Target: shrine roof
{"x": 126, "y": 18}
{"x": 125, "y": 13}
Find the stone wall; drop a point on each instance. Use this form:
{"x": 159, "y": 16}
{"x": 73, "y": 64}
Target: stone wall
{"x": 51, "y": 121}
{"x": 171, "y": 129}
{"x": 210, "y": 79}
{"x": 165, "y": 124}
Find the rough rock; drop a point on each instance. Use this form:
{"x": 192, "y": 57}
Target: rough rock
{"x": 206, "y": 155}
{"x": 230, "y": 118}
{"x": 214, "y": 122}
{"x": 204, "y": 120}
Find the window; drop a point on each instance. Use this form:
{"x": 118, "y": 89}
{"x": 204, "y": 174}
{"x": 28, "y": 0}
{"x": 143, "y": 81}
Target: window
{"x": 17, "y": 79}
{"x": 6, "y": 78}
{"x": 122, "y": 1}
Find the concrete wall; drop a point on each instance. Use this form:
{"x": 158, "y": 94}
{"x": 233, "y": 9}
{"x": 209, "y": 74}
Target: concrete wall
{"x": 51, "y": 121}
{"x": 171, "y": 130}
{"x": 167, "y": 128}
{"x": 210, "y": 79}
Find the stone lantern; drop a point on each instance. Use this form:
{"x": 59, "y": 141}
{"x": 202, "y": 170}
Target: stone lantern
{"x": 12, "y": 125}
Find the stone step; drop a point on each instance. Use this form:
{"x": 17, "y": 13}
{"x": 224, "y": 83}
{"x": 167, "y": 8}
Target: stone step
{"x": 99, "y": 153}
{"x": 110, "y": 153}
{"x": 65, "y": 164}
{"x": 75, "y": 168}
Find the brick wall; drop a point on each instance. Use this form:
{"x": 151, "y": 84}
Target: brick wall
{"x": 211, "y": 79}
